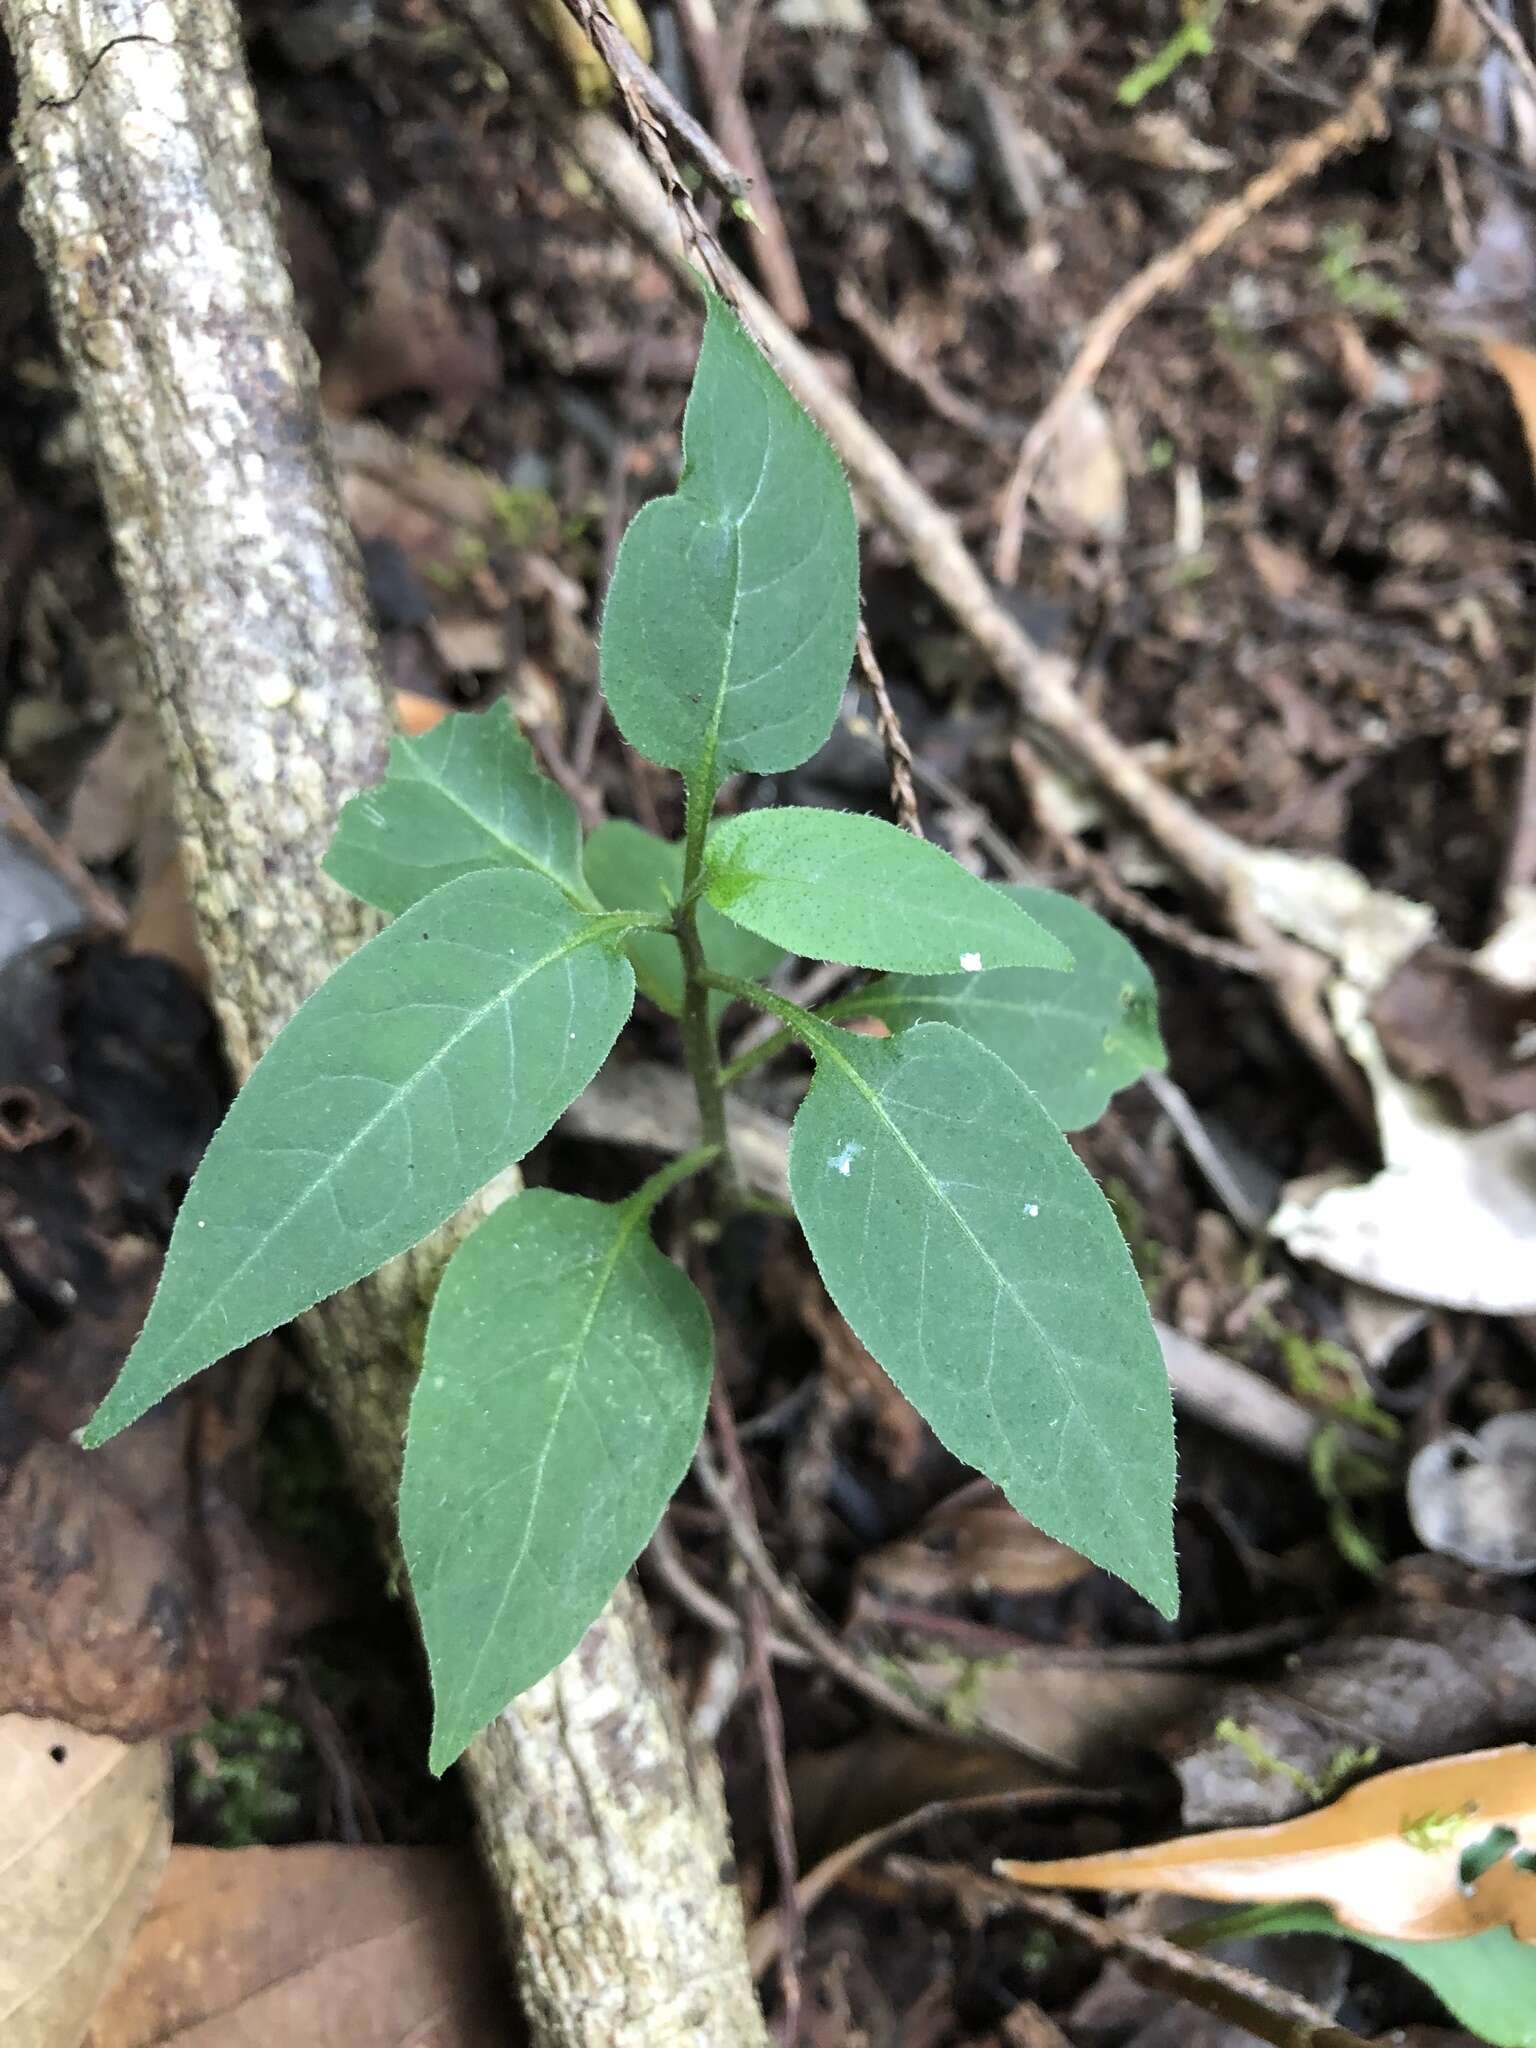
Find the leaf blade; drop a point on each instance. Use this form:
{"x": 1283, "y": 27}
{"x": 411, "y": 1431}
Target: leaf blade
{"x": 631, "y": 869}
{"x": 994, "y": 1247}
{"x": 527, "y": 1494}
{"x": 1075, "y": 1040}
{"x": 729, "y": 627}
{"x": 465, "y": 796}
{"x": 437, "y": 1055}
{"x": 836, "y": 885}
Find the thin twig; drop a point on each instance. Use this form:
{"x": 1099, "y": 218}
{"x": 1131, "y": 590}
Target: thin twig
{"x": 798, "y": 1619}
{"x": 1362, "y": 116}
{"x": 1512, "y": 44}
{"x": 772, "y": 252}
{"x": 639, "y": 86}
{"x": 663, "y": 1555}
{"x": 907, "y": 364}
{"x": 1102, "y": 879}
{"x": 1237, "y": 1996}
{"x": 770, "y": 1727}
{"x": 105, "y": 912}
{"x": 898, "y": 755}
{"x": 1520, "y": 861}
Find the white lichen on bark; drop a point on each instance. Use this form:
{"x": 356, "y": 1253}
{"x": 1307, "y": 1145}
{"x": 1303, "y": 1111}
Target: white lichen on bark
{"x": 149, "y": 200}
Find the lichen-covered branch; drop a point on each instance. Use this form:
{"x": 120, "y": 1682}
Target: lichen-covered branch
{"x": 149, "y": 200}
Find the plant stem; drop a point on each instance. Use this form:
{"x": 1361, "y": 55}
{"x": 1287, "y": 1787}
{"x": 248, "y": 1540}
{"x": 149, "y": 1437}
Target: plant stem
{"x": 799, "y": 1022}
{"x": 701, "y": 1047}
{"x": 666, "y": 1178}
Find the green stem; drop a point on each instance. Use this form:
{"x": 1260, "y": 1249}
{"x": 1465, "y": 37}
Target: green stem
{"x": 666, "y": 1178}
{"x": 799, "y": 1022}
{"x": 855, "y": 1004}
{"x": 701, "y": 1047}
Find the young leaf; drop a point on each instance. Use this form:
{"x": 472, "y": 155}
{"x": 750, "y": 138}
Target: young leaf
{"x": 972, "y": 1253}
{"x": 729, "y": 626}
{"x": 429, "y": 1061}
{"x": 1074, "y": 1039}
{"x": 631, "y": 869}
{"x": 837, "y": 886}
{"x": 467, "y": 795}
{"x": 562, "y": 1395}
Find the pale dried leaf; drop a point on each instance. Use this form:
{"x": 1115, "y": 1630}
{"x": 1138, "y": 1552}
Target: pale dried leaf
{"x": 84, "y": 1832}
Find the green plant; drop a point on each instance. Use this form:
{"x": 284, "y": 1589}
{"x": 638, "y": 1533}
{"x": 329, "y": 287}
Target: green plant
{"x": 1356, "y": 289}
{"x": 1192, "y": 38}
{"x": 567, "y": 1363}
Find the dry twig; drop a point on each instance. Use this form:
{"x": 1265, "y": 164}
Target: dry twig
{"x": 898, "y": 754}
{"x": 772, "y": 254}
{"x": 1237, "y": 1996}
{"x": 1362, "y": 116}
{"x": 797, "y": 1618}
{"x": 16, "y": 817}
{"x": 770, "y": 1722}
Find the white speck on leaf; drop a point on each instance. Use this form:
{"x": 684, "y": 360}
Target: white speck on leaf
{"x": 1031, "y": 1208}
{"x": 842, "y": 1162}
{"x": 971, "y": 962}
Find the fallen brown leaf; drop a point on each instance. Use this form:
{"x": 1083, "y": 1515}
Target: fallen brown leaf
{"x": 1390, "y": 1857}
{"x": 320, "y": 1947}
{"x": 412, "y": 332}
{"x": 84, "y": 1832}
{"x": 1439, "y": 1019}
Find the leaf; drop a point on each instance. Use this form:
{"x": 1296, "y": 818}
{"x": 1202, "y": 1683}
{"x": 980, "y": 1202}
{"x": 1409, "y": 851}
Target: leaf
{"x": 1487, "y": 1981}
{"x": 631, "y": 869}
{"x": 1074, "y": 1039}
{"x": 972, "y": 1253}
{"x": 1390, "y": 1856}
{"x": 466, "y": 795}
{"x": 85, "y": 1828}
{"x": 834, "y": 885}
{"x": 561, "y": 1398}
{"x": 729, "y": 627}
{"x": 429, "y": 1061}
{"x": 318, "y": 1944}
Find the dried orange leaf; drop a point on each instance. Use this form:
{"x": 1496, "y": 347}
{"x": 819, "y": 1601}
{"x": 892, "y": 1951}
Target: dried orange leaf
{"x": 1433, "y": 1852}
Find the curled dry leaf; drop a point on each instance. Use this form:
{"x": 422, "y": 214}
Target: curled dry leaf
{"x": 84, "y": 1832}
{"x": 1432, "y": 1852}
{"x": 1451, "y": 1217}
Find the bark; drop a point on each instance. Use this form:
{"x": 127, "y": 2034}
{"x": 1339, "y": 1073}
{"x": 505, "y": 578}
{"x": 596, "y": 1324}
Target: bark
{"x": 148, "y": 197}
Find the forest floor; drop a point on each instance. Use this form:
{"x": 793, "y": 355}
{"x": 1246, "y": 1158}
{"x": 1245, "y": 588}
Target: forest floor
{"x": 1288, "y": 547}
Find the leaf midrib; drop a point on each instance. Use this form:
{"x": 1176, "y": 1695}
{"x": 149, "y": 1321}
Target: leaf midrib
{"x": 570, "y": 945}
{"x": 432, "y": 778}
{"x": 629, "y": 1222}
{"x": 822, "y": 1045}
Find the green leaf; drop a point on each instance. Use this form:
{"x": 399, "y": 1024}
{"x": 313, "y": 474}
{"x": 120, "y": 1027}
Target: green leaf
{"x": 837, "y": 886}
{"x": 467, "y": 795}
{"x": 1486, "y": 1981}
{"x": 730, "y": 620}
{"x": 561, "y": 1398}
{"x": 430, "y": 1061}
{"x": 631, "y": 869}
{"x": 1073, "y": 1038}
{"x": 972, "y": 1253}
